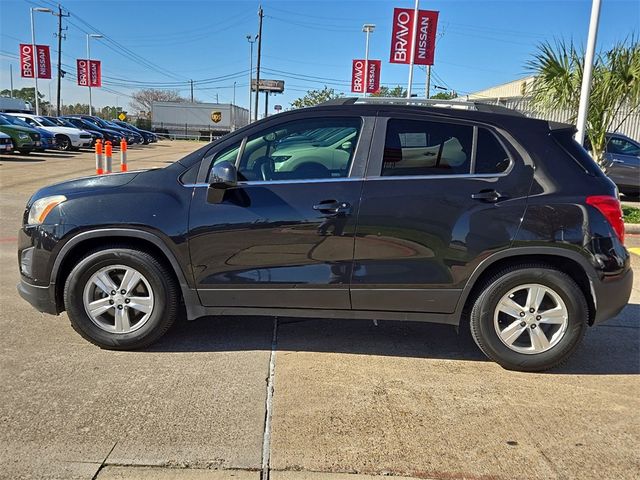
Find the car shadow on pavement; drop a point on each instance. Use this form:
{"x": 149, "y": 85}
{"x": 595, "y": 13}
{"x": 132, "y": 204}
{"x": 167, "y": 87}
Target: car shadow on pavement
{"x": 21, "y": 158}
{"x": 609, "y": 349}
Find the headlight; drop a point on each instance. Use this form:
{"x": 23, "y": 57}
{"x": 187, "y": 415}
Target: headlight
{"x": 23, "y": 136}
{"x": 41, "y": 208}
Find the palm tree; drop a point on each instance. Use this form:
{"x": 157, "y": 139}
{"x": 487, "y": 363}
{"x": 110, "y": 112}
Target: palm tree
{"x": 616, "y": 85}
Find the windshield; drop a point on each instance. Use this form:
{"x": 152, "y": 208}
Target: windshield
{"x": 3, "y": 121}
{"x": 45, "y": 122}
{"x": 97, "y": 121}
{"x": 16, "y": 121}
{"x": 61, "y": 121}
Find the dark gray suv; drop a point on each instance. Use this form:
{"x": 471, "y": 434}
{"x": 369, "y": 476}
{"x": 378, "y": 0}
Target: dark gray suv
{"x": 458, "y": 213}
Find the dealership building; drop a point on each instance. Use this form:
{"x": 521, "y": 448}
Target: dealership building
{"x": 514, "y": 95}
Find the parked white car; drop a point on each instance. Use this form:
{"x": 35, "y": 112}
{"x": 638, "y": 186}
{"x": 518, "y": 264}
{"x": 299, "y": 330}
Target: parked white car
{"x": 6, "y": 145}
{"x": 67, "y": 138}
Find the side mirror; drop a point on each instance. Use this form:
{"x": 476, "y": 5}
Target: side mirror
{"x": 346, "y": 146}
{"x": 223, "y": 175}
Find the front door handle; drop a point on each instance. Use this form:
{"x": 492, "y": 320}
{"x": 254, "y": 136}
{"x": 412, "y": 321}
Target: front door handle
{"x": 490, "y": 196}
{"x": 333, "y": 208}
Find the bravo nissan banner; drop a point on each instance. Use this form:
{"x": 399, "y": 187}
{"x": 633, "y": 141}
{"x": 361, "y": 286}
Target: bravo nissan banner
{"x": 89, "y": 73}
{"x": 42, "y": 60}
{"x": 359, "y": 78}
{"x": 401, "y": 36}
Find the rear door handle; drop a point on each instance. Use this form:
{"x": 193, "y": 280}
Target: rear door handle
{"x": 490, "y": 196}
{"x": 333, "y": 208}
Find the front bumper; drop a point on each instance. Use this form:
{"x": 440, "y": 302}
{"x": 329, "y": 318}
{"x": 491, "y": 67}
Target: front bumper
{"x": 612, "y": 295}
{"x": 41, "y": 298}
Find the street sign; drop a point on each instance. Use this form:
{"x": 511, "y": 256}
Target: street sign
{"x": 276, "y": 86}
{"x": 122, "y": 117}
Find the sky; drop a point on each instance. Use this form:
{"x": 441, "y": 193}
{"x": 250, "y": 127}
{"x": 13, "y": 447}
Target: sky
{"x": 308, "y": 44}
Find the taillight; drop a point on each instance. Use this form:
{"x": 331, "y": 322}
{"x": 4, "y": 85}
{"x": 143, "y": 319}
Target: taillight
{"x": 612, "y": 211}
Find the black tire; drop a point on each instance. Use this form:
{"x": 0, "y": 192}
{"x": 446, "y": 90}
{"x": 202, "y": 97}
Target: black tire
{"x": 64, "y": 143}
{"x": 162, "y": 282}
{"x": 24, "y": 152}
{"x": 487, "y": 338}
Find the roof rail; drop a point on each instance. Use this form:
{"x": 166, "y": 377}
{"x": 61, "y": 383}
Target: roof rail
{"x": 425, "y": 102}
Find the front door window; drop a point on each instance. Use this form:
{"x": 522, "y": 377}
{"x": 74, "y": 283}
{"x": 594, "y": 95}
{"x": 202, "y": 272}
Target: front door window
{"x": 301, "y": 150}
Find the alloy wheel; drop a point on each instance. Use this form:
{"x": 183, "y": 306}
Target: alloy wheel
{"x": 118, "y": 299}
{"x": 531, "y": 319}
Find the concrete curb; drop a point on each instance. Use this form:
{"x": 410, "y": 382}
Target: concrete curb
{"x": 632, "y": 228}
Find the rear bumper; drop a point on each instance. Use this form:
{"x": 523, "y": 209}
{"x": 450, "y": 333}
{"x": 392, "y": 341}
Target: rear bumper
{"x": 612, "y": 295}
{"x": 41, "y": 298}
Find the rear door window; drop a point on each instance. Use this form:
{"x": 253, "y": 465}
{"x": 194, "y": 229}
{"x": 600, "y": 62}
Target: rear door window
{"x": 416, "y": 147}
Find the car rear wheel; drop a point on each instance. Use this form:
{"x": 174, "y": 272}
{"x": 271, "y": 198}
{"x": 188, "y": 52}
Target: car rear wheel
{"x": 64, "y": 143}
{"x": 121, "y": 298}
{"x": 529, "y": 317}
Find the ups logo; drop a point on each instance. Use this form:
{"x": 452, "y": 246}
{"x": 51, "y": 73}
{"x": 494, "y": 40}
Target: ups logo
{"x": 216, "y": 116}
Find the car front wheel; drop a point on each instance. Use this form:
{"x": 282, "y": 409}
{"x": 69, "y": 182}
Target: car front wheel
{"x": 64, "y": 143}
{"x": 121, "y": 298}
{"x": 529, "y": 317}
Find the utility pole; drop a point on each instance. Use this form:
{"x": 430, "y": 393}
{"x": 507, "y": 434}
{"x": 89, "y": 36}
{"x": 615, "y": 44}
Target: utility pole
{"x": 191, "y": 81}
{"x": 60, "y": 38}
{"x": 583, "y": 108}
{"x": 260, "y": 15}
{"x": 11, "y": 78}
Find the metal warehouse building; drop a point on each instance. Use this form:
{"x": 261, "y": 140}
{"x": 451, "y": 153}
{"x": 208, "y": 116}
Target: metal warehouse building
{"x": 514, "y": 95}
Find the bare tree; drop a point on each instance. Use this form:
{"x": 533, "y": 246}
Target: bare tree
{"x": 142, "y": 99}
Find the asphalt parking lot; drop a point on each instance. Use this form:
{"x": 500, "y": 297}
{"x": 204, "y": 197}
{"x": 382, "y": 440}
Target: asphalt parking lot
{"x": 350, "y": 399}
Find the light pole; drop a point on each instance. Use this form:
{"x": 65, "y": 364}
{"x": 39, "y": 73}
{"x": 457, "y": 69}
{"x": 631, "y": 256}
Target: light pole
{"x": 367, "y": 28}
{"x": 583, "y": 107}
{"x": 90, "y": 35}
{"x": 251, "y": 40}
{"x": 33, "y": 51}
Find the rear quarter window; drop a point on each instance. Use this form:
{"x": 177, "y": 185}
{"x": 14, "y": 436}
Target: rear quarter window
{"x": 491, "y": 157}
{"x": 564, "y": 138}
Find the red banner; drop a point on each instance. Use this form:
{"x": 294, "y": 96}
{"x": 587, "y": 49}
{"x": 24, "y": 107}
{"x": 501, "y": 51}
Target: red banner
{"x": 83, "y": 72}
{"x": 26, "y": 61}
{"x": 89, "y": 73}
{"x": 95, "y": 74}
{"x": 358, "y": 79}
{"x": 357, "y": 76}
{"x": 426, "y": 37}
{"x": 44, "y": 61}
{"x": 401, "y": 36}
{"x": 373, "y": 76}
